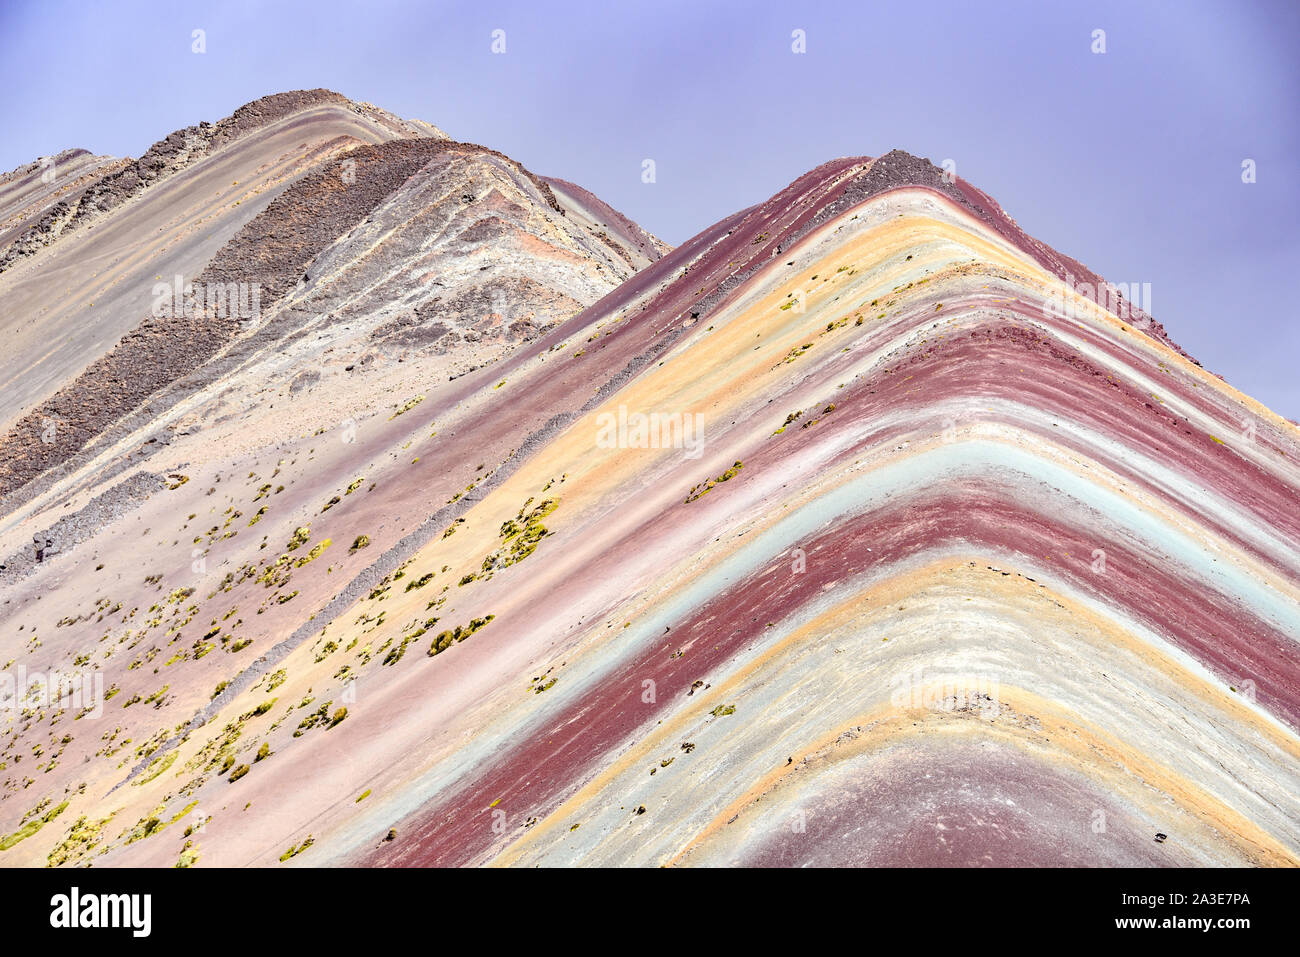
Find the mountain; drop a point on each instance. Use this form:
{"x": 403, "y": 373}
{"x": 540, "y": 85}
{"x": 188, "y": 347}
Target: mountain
{"x": 862, "y": 528}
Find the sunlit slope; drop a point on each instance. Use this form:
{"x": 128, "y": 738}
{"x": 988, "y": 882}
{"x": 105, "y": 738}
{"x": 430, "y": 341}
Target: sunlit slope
{"x": 924, "y": 569}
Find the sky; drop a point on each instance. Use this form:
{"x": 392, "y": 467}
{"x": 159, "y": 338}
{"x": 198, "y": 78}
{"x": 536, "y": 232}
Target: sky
{"x": 1129, "y": 160}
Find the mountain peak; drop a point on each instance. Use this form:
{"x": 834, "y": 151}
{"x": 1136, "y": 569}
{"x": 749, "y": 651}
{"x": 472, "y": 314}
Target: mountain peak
{"x": 343, "y": 452}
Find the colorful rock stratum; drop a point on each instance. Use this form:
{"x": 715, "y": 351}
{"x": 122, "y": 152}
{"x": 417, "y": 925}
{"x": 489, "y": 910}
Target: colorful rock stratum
{"x": 861, "y": 529}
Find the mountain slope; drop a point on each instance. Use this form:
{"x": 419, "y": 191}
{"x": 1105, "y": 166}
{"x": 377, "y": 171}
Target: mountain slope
{"x": 29, "y": 194}
{"x": 163, "y": 215}
{"x": 932, "y": 554}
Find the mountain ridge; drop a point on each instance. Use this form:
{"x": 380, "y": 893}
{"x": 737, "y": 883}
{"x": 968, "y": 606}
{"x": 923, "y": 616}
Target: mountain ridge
{"x": 951, "y": 545}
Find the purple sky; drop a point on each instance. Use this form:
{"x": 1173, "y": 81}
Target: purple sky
{"x": 1130, "y": 160}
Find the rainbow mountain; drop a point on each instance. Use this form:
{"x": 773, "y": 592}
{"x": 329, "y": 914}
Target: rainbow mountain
{"x": 860, "y": 529}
